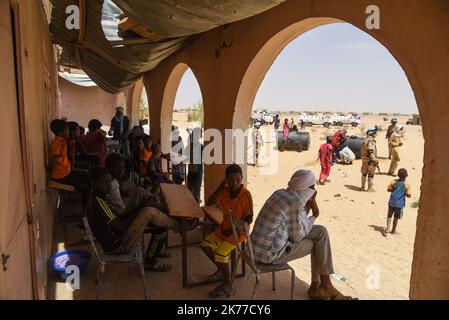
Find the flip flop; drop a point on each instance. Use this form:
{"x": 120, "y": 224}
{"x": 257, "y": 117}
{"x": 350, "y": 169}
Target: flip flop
{"x": 220, "y": 291}
{"x": 215, "y": 277}
{"x": 164, "y": 254}
{"x": 157, "y": 267}
{"x": 318, "y": 297}
{"x": 342, "y": 297}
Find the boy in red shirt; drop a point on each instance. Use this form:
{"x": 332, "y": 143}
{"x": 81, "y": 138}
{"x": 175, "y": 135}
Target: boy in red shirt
{"x": 61, "y": 168}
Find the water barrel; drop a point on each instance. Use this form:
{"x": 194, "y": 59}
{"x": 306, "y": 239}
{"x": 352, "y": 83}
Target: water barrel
{"x": 281, "y": 141}
{"x": 298, "y": 141}
{"x": 355, "y": 144}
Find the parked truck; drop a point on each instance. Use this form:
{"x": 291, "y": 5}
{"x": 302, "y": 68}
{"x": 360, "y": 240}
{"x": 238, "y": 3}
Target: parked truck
{"x": 340, "y": 120}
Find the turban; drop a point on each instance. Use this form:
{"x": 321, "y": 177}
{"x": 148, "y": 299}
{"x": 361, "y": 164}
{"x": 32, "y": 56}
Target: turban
{"x": 301, "y": 181}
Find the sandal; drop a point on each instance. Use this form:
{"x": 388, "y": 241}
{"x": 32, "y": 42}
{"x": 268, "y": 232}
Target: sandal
{"x": 157, "y": 267}
{"x": 220, "y": 291}
{"x": 342, "y": 297}
{"x": 318, "y": 297}
{"x": 217, "y": 276}
{"x": 164, "y": 254}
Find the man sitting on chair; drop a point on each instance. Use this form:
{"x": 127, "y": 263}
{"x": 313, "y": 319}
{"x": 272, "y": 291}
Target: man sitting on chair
{"x": 283, "y": 232}
{"x": 117, "y": 230}
{"x": 135, "y": 200}
{"x": 230, "y": 195}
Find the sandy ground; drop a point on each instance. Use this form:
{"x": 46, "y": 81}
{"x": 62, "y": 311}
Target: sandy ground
{"x": 375, "y": 267}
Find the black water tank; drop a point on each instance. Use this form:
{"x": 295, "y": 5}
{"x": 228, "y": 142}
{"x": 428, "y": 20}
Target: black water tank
{"x": 355, "y": 144}
{"x": 298, "y": 141}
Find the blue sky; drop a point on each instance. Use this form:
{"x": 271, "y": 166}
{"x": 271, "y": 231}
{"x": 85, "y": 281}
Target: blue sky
{"x": 331, "y": 68}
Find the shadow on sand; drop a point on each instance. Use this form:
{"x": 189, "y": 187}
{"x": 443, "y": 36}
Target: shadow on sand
{"x": 379, "y": 229}
{"x": 353, "y": 188}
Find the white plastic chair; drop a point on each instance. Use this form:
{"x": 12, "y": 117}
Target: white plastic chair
{"x": 103, "y": 259}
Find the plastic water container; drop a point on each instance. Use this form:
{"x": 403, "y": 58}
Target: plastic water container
{"x": 60, "y": 261}
{"x": 338, "y": 277}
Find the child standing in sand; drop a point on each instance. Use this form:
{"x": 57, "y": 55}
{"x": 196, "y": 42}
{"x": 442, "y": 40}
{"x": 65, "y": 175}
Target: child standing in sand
{"x": 325, "y": 157}
{"x": 399, "y": 190}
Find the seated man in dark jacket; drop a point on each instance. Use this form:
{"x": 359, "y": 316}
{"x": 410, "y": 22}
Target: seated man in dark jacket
{"x": 118, "y": 233}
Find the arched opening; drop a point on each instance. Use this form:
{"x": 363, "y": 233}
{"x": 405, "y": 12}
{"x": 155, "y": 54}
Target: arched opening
{"x": 168, "y": 102}
{"x": 182, "y": 109}
{"x": 362, "y": 255}
{"x": 144, "y": 112}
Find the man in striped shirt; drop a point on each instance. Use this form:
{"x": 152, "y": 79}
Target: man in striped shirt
{"x": 283, "y": 232}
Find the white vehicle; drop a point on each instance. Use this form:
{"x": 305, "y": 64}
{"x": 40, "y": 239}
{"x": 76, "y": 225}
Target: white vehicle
{"x": 341, "y": 120}
{"x": 318, "y": 119}
{"x": 263, "y": 115}
{"x": 269, "y": 118}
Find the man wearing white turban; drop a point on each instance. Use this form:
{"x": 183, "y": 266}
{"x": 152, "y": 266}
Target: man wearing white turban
{"x": 283, "y": 232}
{"x": 120, "y": 128}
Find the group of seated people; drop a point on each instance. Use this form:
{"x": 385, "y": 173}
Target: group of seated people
{"x": 70, "y": 148}
{"x": 283, "y": 231}
{"x": 147, "y": 158}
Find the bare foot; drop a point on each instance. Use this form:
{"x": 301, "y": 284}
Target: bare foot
{"x": 318, "y": 294}
{"x": 334, "y": 294}
{"x": 314, "y": 290}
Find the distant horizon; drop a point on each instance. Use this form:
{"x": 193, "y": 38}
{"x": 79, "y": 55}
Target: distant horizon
{"x": 319, "y": 111}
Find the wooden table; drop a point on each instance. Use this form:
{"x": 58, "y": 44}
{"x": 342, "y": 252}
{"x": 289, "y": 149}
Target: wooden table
{"x": 181, "y": 204}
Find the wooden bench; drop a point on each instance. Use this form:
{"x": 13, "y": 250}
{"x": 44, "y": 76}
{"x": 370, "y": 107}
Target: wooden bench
{"x": 52, "y": 184}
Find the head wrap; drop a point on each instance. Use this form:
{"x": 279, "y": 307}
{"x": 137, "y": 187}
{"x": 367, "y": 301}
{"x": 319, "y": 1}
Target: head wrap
{"x": 120, "y": 109}
{"x": 398, "y": 130}
{"x": 301, "y": 181}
